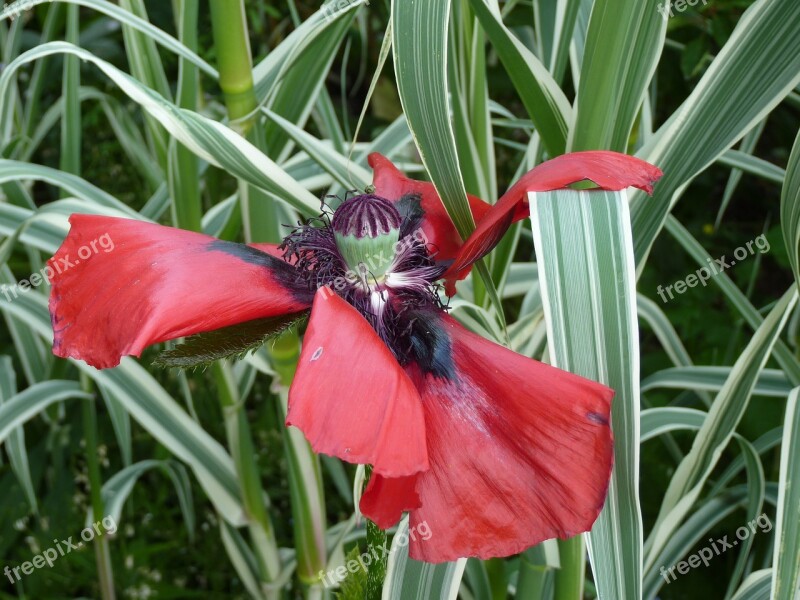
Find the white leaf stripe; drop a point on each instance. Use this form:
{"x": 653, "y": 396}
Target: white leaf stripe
{"x": 156, "y": 411}
{"x": 209, "y": 139}
{"x": 123, "y": 16}
{"x": 586, "y": 272}
{"x": 757, "y": 68}
{"x": 786, "y": 575}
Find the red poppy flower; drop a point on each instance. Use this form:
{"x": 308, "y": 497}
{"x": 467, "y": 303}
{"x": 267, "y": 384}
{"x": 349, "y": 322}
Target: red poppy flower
{"x": 491, "y": 451}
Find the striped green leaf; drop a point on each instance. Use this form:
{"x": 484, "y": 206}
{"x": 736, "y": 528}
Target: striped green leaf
{"x": 743, "y": 162}
{"x": 755, "y": 587}
{"x": 790, "y": 210}
{"x": 718, "y": 428}
{"x": 657, "y": 421}
{"x": 623, "y": 45}
{"x": 757, "y": 68}
{"x": 786, "y": 575}
{"x": 22, "y": 407}
{"x": 770, "y": 382}
{"x": 408, "y": 579}
{"x": 209, "y": 139}
{"x": 586, "y": 272}
{"x": 12, "y": 170}
{"x": 419, "y": 30}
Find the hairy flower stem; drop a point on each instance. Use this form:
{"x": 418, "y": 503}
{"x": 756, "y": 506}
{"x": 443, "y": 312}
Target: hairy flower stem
{"x": 376, "y": 540}
{"x": 262, "y": 224}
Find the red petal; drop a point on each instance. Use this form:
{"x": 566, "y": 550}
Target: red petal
{"x": 387, "y": 498}
{"x": 133, "y": 284}
{"x": 520, "y": 452}
{"x": 350, "y": 397}
{"x": 391, "y": 184}
{"x": 608, "y": 170}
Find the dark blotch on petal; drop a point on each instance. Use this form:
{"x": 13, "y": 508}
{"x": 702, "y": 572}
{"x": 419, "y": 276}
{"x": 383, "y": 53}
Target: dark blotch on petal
{"x": 430, "y": 345}
{"x": 410, "y": 209}
{"x": 281, "y": 271}
{"x": 597, "y": 418}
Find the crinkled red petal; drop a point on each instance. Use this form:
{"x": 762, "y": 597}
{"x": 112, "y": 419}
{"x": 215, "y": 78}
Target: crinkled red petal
{"x": 120, "y": 285}
{"x": 351, "y": 398}
{"x": 387, "y": 498}
{"x": 519, "y": 452}
{"x": 608, "y": 170}
{"x": 392, "y": 184}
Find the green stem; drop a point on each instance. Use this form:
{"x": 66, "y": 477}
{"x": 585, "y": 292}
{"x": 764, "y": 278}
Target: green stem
{"x": 569, "y": 578}
{"x": 234, "y": 60}
{"x": 496, "y": 571}
{"x": 101, "y": 549}
{"x": 240, "y": 443}
{"x": 71, "y": 120}
{"x": 184, "y": 167}
{"x": 531, "y": 580}
{"x": 231, "y": 38}
{"x": 305, "y": 475}
{"x": 261, "y": 221}
{"x": 376, "y": 540}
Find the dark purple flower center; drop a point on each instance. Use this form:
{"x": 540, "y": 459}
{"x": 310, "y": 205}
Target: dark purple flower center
{"x": 366, "y": 216}
{"x": 374, "y": 254}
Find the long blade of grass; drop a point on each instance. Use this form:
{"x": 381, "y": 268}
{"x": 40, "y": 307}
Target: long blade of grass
{"x": 623, "y": 46}
{"x": 723, "y": 417}
{"x": 408, "y": 579}
{"x": 757, "y": 68}
{"x": 22, "y": 407}
{"x": 546, "y": 104}
{"x": 209, "y": 139}
{"x": 586, "y": 272}
{"x": 786, "y": 575}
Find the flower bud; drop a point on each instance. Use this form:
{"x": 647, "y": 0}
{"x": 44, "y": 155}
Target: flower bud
{"x": 367, "y": 229}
